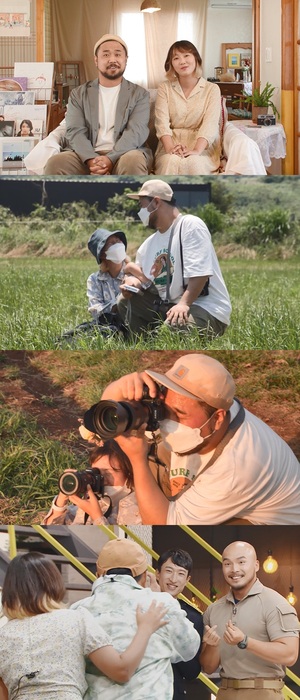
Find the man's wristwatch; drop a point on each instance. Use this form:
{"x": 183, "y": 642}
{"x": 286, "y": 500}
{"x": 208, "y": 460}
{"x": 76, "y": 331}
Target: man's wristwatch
{"x": 243, "y": 643}
{"x": 146, "y": 285}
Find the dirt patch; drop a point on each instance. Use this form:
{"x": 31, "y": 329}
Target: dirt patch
{"x": 25, "y": 387}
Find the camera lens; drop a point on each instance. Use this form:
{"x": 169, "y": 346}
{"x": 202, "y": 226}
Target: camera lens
{"x": 69, "y": 483}
{"x": 109, "y": 418}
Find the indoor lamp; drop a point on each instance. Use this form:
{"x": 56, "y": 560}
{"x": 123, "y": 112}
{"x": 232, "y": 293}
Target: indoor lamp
{"x": 270, "y": 565}
{"x": 291, "y": 597}
{"x": 150, "y": 6}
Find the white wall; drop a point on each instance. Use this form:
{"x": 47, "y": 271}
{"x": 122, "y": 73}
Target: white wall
{"x": 224, "y": 26}
{"x": 270, "y": 71}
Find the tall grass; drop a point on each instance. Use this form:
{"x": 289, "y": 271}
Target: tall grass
{"x": 41, "y": 298}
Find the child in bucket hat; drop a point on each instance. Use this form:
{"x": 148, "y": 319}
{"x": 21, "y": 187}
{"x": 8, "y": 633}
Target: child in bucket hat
{"x": 103, "y": 287}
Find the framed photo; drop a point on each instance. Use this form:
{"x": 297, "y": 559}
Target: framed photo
{"x": 234, "y": 60}
{"x": 13, "y": 151}
{"x": 245, "y": 61}
{"x": 7, "y": 128}
{"x": 15, "y": 18}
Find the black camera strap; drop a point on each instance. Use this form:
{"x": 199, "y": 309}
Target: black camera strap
{"x": 157, "y": 454}
{"x": 204, "y": 291}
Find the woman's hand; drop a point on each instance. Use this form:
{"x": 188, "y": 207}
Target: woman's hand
{"x": 178, "y": 150}
{"x": 89, "y": 504}
{"x": 153, "y": 618}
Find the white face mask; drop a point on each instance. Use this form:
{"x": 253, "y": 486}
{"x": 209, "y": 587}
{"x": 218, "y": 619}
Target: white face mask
{"x": 116, "y": 253}
{"x": 181, "y": 438}
{"x": 144, "y": 215}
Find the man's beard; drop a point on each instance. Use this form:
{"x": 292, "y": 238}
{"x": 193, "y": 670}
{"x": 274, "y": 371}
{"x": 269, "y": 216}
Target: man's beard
{"x": 110, "y": 76}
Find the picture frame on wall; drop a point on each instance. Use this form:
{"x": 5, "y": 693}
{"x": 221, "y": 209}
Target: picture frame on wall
{"x": 15, "y": 18}
{"x": 234, "y": 60}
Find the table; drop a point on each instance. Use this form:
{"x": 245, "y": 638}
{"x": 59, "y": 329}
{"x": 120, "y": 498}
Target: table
{"x": 271, "y": 140}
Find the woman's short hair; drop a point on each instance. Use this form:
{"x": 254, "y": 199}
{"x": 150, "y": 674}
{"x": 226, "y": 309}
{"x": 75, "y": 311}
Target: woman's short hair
{"x": 33, "y": 585}
{"x": 182, "y": 46}
{"x": 112, "y": 449}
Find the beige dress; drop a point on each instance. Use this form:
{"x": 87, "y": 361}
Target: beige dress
{"x": 186, "y": 119}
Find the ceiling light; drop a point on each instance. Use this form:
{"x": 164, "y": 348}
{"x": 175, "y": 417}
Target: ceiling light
{"x": 291, "y": 597}
{"x": 150, "y": 6}
{"x": 270, "y": 564}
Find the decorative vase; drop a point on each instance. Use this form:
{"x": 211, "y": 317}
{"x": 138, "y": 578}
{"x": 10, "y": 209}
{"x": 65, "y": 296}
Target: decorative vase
{"x": 258, "y": 110}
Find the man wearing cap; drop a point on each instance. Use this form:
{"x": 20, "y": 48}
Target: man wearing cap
{"x": 180, "y": 276}
{"x": 119, "y": 589}
{"x": 216, "y": 461}
{"x": 103, "y": 287}
{"x": 252, "y": 633}
{"x": 107, "y": 120}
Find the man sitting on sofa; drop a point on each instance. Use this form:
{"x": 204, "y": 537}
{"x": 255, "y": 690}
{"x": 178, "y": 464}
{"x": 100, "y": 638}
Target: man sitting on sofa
{"x": 107, "y": 120}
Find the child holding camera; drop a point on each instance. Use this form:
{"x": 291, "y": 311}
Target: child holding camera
{"x": 118, "y": 506}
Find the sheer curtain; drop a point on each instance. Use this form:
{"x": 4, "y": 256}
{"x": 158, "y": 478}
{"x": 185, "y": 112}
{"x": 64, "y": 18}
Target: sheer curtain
{"x": 77, "y": 24}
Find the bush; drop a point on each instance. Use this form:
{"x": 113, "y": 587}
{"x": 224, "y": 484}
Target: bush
{"x": 212, "y": 217}
{"x": 260, "y": 228}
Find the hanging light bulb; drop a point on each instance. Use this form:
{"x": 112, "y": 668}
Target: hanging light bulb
{"x": 150, "y": 6}
{"x": 291, "y": 597}
{"x": 270, "y": 564}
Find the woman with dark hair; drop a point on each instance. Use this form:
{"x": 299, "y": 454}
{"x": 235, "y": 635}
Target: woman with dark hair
{"x": 187, "y": 116}
{"x": 43, "y": 645}
{"x": 26, "y": 128}
{"x": 117, "y": 474}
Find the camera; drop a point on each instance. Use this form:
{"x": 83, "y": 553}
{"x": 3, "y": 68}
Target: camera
{"x": 108, "y": 419}
{"x": 266, "y": 119}
{"x": 71, "y": 483}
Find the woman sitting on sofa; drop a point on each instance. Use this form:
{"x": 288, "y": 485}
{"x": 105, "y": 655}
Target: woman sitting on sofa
{"x": 187, "y": 116}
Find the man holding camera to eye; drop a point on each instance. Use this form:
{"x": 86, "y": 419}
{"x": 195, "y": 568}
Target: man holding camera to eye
{"x": 214, "y": 461}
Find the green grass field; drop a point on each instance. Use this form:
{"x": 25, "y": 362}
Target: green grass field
{"x": 43, "y": 297}
{"x": 44, "y": 394}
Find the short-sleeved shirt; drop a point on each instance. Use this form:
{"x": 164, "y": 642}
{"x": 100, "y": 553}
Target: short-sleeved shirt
{"x": 52, "y": 646}
{"x": 198, "y": 258}
{"x": 256, "y": 477}
{"x": 113, "y": 603}
{"x": 264, "y": 615}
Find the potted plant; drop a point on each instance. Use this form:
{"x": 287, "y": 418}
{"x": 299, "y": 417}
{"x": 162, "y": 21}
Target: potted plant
{"x": 261, "y": 100}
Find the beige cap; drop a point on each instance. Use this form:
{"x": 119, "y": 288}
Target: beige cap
{"x": 122, "y": 554}
{"x": 201, "y": 377}
{"x": 110, "y": 37}
{"x": 154, "y": 188}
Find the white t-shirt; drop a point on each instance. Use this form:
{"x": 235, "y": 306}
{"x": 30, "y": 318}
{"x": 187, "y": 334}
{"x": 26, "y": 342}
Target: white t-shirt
{"x": 199, "y": 260}
{"x": 108, "y": 98}
{"x": 256, "y": 477}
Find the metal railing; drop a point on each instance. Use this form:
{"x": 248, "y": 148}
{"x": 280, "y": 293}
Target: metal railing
{"x": 109, "y": 531}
